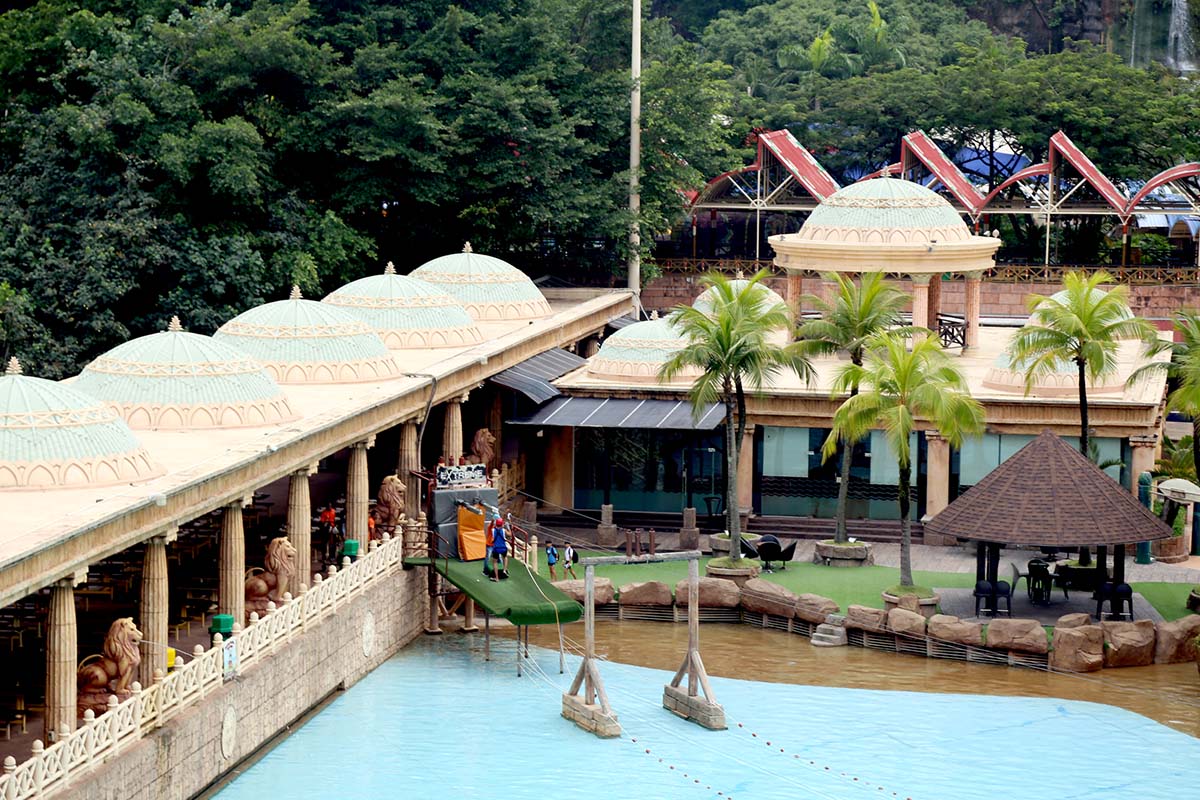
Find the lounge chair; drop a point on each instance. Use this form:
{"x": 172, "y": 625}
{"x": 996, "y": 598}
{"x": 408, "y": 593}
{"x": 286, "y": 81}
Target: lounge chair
{"x": 770, "y": 550}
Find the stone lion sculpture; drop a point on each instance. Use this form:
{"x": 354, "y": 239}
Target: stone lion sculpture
{"x": 111, "y": 673}
{"x": 270, "y": 584}
{"x": 483, "y": 447}
{"x": 389, "y": 504}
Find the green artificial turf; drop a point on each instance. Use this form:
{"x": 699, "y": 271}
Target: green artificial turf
{"x": 1169, "y": 598}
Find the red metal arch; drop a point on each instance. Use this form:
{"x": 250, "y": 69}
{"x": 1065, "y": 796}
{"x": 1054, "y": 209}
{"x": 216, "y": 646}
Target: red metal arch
{"x": 1029, "y": 172}
{"x": 1178, "y": 172}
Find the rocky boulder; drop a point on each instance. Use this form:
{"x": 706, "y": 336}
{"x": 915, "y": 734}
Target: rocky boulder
{"x": 1022, "y": 635}
{"x": 1078, "y": 648}
{"x": 865, "y": 618}
{"x": 814, "y": 608}
{"x": 1175, "y": 642}
{"x": 1128, "y": 644}
{"x": 765, "y": 597}
{"x": 714, "y": 593}
{"x": 1073, "y": 621}
{"x": 647, "y": 593}
{"x": 952, "y": 629}
{"x": 909, "y": 602}
{"x": 905, "y": 622}
{"x": 575, "y": 590}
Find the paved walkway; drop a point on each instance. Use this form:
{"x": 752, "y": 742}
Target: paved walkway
{"x": 961, "y": 603}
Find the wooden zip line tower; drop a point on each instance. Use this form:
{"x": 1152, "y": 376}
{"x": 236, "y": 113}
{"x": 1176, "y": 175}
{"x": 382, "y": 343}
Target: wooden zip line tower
{"x": 592, "y": 711}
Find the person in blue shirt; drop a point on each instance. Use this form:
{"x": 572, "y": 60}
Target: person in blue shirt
{"x": 551, "y": 559}
{"x": 499, "y": 549}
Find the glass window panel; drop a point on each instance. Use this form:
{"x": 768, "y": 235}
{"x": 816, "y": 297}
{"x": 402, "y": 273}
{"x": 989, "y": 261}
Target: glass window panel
{"x": 979, "y": 456}
{"x": 885, "y": 467}
{"x": 785, "y": 452}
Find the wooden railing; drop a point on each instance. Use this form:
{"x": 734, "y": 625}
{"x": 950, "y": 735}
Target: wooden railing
{"x": 99, "y": 738}
{"x": 509, "y": 481}
{"x": 1000, "y": 273}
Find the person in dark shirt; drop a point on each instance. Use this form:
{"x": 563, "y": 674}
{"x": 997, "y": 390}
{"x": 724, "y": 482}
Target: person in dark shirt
{"x": 499, "y": 549}
{"x": 551, "y": 559}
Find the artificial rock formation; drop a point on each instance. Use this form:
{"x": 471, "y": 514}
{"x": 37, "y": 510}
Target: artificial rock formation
{"x": 1073, "y": 620}
{"x": 713, "y": 593}
{"x": 815, "y": 608}
{"x": 1176, "y": 640}
{"x": 576, "y": 590}
{"x": 905, "y": 622}
{"x": 1022, "y": 635}
{"x": 865, "y": 618}
{"x": 946, "y": 628}
{"x": 1128, "y": 644}
{"x": 647, "y": 593}
{"x": 765, "y": 597}
{"x": 1078, "y": 648}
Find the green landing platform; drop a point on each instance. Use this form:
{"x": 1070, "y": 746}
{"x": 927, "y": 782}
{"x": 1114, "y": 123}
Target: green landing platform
{"x": 523, "y": 598}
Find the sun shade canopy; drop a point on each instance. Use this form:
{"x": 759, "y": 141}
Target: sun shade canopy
{"x": 597, "y": 412}
{"x": 533, "y": 375}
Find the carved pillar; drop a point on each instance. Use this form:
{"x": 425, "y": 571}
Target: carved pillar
{"x": 154, "y": 610}
{"x": 974, "y": 281}
{"x": 1145, "y": 449}
{"x": 745, "y": 473}
{"x": 937, "y": 478}
{"x": 935, "y": 299}
{"x": 452, "y": 431}
{"x": 358, "y": 491}
{"x": 496, "y": 426}
{"x": 920, "y": 304}
{"x": 410, "y": 460}
{"x": 62, "y": 657}
{"x": 591, "y": 346}
{"x": 231, "y": 598}
{"x": 299, "y": 525}
{"x": 793, "y": 291}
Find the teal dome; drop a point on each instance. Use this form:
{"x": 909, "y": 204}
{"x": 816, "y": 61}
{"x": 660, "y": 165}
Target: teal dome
{"x": 303, "y": 341}
{"x": 175, "y": 379}
{"x": 52, "y": 435}
{"x": 1094, "y": 296}
{"x": 1061, "y": 381}
{"x": 491, "y": 290}
{"x": 638, "y": 351}
{"x": 885, "y": 211}
{"x": 407, "y": 312}
{"x": 705, "y": 301}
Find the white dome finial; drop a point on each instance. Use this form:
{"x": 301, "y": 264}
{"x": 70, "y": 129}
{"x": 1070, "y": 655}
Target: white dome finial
{"x": 390, "y": 269}
{"x": 14, "y": 367}
{"x": 174, "y": 325}
{"x": 654, "y": 314}
{"x": 295, "y": 295}
{"x": 467, "y": 247}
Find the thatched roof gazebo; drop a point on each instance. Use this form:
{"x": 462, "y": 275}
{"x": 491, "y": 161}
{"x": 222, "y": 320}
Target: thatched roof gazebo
{"x": 1048, "y": 494}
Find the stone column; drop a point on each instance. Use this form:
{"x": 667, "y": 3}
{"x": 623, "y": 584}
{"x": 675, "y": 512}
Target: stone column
{"x": 452, "y": 431}
{"x": 689, "y": 533}
{"x": 935, "y": 299}
{"x": 358, "y": 495}
{"x": 920, "y": 304}
{"x": 937, "y": 478}
{"x": 299, "y": 526}
{"x": 558, "y": 474}
{"x": 231, "y": 598}
{"x": 974, "y": 281}
{"x": 607, "y": 534}
{"x": 410, "y": 460}
{"x": 1145, "y": 451}
{"x": 745, "y": 473}
{"x": 496, "y": 425}
{"x": 793, "y": 291}
{"x": 591, "y": 346}
{"x": 154, "y": 610}
{"x": 62, "y": 659}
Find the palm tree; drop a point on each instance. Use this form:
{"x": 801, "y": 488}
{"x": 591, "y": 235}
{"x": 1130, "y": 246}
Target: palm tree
{"x": 1184, "y": 366}
{"x": 1176, "y": 460}
{"x": 855, "y": 314}
{"x": 898, "y": 387}
{"x": 1081, "y": 324}
{"x": 729, "y": 341}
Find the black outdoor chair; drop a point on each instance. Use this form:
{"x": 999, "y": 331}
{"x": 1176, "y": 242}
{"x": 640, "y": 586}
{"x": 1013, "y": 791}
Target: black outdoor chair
{"x": 1120, "y": 598}
{"x": 770, "y": 550}
{"x": 1040, "y": 582}
{"x": 1004, "y": 592}
{"x": 983, "y": 594}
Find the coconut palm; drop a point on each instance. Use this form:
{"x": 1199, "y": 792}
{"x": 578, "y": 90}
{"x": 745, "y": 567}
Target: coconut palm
{"x": 1184, "y": 366}
{"x": 898, "y": 387}
{"x": 854, "y": 315}
{"x": 1083, "y": 325}
{"x": 1176, "y": 460}
{"x": 729, "y": 341}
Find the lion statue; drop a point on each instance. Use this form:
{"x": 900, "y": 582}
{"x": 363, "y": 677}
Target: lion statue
{"x": 483, "y": 447}
{"x": 111, "y": 673}
{"x": 389, "y": 504}
{"x": 270, "y": 584}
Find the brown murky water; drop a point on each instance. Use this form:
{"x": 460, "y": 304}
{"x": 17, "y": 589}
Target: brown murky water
{"x": 1169, "y": 694}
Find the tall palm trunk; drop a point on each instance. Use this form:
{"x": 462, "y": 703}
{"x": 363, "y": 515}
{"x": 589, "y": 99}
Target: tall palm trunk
{"x": 1083, "y": 408}
{"x": 731, "y": 466}
{"x": 843, "y": 498}
{"x": 906, "y": 575}
{"x": 1195, "y": 444}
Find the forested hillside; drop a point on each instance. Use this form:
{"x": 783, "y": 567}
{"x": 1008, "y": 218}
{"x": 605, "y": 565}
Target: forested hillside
{"x": 160, "y": 157}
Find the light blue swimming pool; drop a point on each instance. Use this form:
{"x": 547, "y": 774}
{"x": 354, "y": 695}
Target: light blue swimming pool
{"x": 495, "y": 735}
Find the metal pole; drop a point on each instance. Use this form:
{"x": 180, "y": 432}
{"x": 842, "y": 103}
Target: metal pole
{"x": 518, "y": 651}
{"x": 635, "y": 157}
{"x": 562, "y": 658}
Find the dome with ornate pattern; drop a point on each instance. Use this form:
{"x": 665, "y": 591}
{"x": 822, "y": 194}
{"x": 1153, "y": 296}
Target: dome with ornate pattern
{"x": 176, "y": 379}
{"x": 303, "y": 341}
{"x": 638, "y": 351}
{"x": 52, "y": 435}
{"x": 885, "y": 210}
{"x": 490, "y": 289}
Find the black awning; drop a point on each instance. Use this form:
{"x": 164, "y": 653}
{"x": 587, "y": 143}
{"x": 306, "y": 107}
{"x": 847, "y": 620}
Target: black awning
{"x": 597, "y": 412}
{"x": 533, "y": 375}
{"x": 621, "y": 322}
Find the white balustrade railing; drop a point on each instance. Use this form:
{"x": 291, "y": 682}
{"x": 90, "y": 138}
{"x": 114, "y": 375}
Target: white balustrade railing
{"x": 98, "y": 738}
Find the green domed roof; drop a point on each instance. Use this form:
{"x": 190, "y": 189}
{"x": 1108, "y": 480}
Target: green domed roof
{"x": 885, "y": 210}
{"x": 407, "y": 312}
{"x": 176, "y": 379}
{"x": 491, "y": 290}
{"x": 705, "y": 301}
{"x": 303, "y": 341}
{"x": 639, "y": 350}
{"x": 53, "y": 435}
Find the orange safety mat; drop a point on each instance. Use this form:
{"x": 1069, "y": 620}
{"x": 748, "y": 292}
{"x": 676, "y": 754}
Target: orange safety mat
{"x": 471, "y": 539}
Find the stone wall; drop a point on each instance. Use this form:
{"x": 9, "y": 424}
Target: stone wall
{"x": 195, "y": 748}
